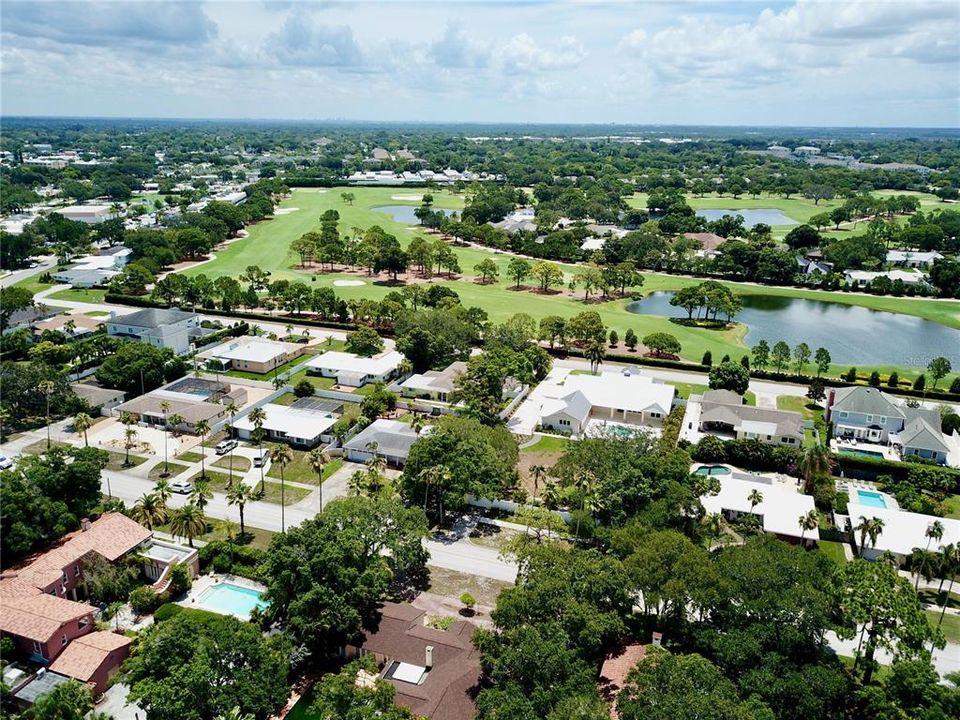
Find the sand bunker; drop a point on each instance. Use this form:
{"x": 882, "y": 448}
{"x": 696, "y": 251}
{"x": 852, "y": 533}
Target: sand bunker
{"x": 285, "y": 211}
{"x": 413, "y": 198}
{"x": 348, "y": 283}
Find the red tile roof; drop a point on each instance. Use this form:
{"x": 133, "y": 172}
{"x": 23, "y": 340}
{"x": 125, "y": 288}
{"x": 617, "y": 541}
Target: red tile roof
{"x": 39, "y": 617}
{"x": 616, "y": 667}
{"x": 85, "y": 655}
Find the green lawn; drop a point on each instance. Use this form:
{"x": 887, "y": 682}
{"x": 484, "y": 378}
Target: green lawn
{"x": 685, "y": 390}
{"x": 833, "y": 550}
{"x": 547, "y": 445}
{"x": 268, "y": 246}
{"x": 259, "y": 539}
{"x": 950, "y": 627}
{"x": 90, "y": 295}
{"x": 267, "y": 375}
{"x": 189, "y": 456}
{"x": 291, "y": 495}
{"x": 157, "y": 470}
{"x": 218, "y": 481}
{"x": 33, "y": 283}
{"x": 320, "y": 383}
{"x": 118, "y": 460}
{"x": 805, "y": 407}
{"x": 952, "y": 506}
{"x": 240, "y": 463}
{"x": 300, "y": 471}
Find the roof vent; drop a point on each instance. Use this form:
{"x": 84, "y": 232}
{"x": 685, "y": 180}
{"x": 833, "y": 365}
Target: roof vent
{"x": 428, "y": 657}
{"x": 85, "y": 524}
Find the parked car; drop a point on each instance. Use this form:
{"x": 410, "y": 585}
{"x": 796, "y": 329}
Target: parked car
{"x": 225, "y": 446}
{"x": 184, "y": 487}
{"x": 260, "y": 459}
{"x": 5, "y": 462}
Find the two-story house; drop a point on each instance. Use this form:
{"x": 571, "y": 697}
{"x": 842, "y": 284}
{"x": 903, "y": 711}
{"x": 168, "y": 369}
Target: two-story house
{"x": 165, "y": 328}
{"x": 868, "y": 415}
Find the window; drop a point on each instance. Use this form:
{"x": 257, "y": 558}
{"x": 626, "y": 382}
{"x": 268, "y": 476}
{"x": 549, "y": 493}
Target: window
{"x": 37, "y": 648}
{"x": 76, "y": 570}
{"x": 883, "y": 420}
{"x": 564, "y": 421}
{"x": 84, "y": 621}
{"x": 654, "y": 414}
{"x": 63, "y": 640}
{"x": 843, "y": 414}
{"x": 869, "y": 418}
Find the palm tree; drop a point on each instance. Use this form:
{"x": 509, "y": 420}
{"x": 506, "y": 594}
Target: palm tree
{"x": 232, "y": 410}
{"x": 149, "y": 511}
{"x": 924, "y": 563}
{"x": 934, "y": 532}
{"x": 376, "y": 463}
{"x": 282, "y": 458}
{"x": 417, "y": 423}
{"x": 201, "y": 493}
{"x": 551, "y": 494}
{"x": 202, "y": 427}
{"x": 585, "y": 483}
{"x": 814, "y": 462}
{"x": 165, "y": 407}
{"x": 129, "y": 433}
{"x": 163, "y": 491}
{"x": 240, "y": 494}
{"x": 949, "y": 565}
{"x": 318, "y": 460}
{"x": 754, "y": 498}
{"x": 595, "y": 353}
{"x": 234, "y": 714}
{"x": 538, "y": 473}
{"x": 81, "y": 423}
{"x": 176, "y": 421}
{"x": 808, "y": 521}
{"x": 188, "y": 521}
{"x": 258, "y": 416}
{"x": 869, "y": 528}
{"x": 357, "y": 483}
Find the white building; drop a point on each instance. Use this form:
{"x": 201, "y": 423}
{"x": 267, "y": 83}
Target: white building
{"x": 433, "y": 384}
{"x": 87, "y": 213}
{"x": 252, "y": 354}
{"x": 902, "y": 531}
{"x": 306, "y": 423}
{"x": 779, "y": 510}
{"x": 859, "y": 278}
{"x": 913, "y": 259}
{"x": 389, "y": 439}
{"x": 169, "y": 328}
{"x": 353, "y": 370}
{"x": 610, "y": 398}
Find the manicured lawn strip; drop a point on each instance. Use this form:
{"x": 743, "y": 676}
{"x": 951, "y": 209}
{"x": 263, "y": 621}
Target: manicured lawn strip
{"x": 321, "y": 383}
{"x": 90, "y": 295}
{"x": 217, "y": 481}
{"x": 118, "y": 460}
{"x": 802, "y": 405}
{"x": 882, "y": 673}
{"x": 750, "y": 398}
{"x": 685, "y": 390}
{"x": 190, "y": 456}
{"x": 260, "y": 539}
{"x": 40, "y": 447}
{"x": 952, "y": 505}
{"x": 286, "y": 399}
{"x": 267, "y": 246}
{"x": 292, "y": 494}
{"x": 157, "y": 470}
{"x": 33, "y": 283}
{"x": 267, "y": 376}
{"x": 300, "y": 471}
{"x": 950, "y": 626}
{"x": 240, "y": 463}
{"x": 547, "y": 444}
{"x": 833, "y": 550}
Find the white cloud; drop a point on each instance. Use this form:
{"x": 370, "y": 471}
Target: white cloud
{"x": 456, "y": 50}
{"x": 523, "y": 54}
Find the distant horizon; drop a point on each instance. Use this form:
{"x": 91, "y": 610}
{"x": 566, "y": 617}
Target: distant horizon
{"x": 490, "y": 123}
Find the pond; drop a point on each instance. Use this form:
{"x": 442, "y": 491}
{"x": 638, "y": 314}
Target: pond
{"x": 404, "y": 213}
{"x": 769, "y": 216}
{"x": 853, "y": 335}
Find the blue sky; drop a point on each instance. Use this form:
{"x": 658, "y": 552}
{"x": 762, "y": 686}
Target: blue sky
{"x": 812, "y": 62}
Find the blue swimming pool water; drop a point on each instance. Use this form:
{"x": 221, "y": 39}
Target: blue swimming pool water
{"x": 713, "y": 470}
{"x": 862, "y": 453}
{"x": 871, "y": 499}
{"x": 226, "y": 597}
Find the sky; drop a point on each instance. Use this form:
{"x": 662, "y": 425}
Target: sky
{"x": 809, "y": 62}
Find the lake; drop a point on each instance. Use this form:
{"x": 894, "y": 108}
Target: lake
{"x": 404, "y": 213}
{"x": 769, "y": 216}
{"x": 853, "y": 335}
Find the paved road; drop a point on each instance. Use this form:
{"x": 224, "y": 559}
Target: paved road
{"x": 18, "y": 275}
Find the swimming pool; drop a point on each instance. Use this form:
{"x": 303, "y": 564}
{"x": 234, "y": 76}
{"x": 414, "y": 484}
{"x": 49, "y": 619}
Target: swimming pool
{"x": 862, "y": 453}
{"x": 230, "y": 599}
{"x": 713, "y": 470}
{"x": 871, "y": 499}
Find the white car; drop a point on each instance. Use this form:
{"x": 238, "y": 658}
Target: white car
{"x": 5, "y": 462}
{"x": 184, "y": 487}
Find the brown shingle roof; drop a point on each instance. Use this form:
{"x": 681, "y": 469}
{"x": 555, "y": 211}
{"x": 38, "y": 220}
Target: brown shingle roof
{"x": 85, "y": 655}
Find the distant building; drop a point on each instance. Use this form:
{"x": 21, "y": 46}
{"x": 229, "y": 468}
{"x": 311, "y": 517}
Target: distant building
{"x": 724, "y": 413}
{"x": 91, "y": 214}
{"x": 913, "y": 259}
{"x": 99, "y": 397}
{"x": 902, "y": 531}
{"x": 353, "y": 370}
{"x": 168, "y": 328}
{"x": 73, "y": 326}
{"x": 433, "y": 384}
{"x": 860, "y": 278}
{"x": 252, "y": 354}
{"x": 193, "y": 399}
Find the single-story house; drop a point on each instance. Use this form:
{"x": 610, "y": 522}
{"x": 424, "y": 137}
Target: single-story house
{"x": 252, "y": 354}
{"x": 98, "y": 397}
{"x": 913, "y": 258}
{"x": 433, "y": 384}
{"x": 193, "y": 399}
{"x": 923, "y": 440}
{"x": 723, "y": 413}
{"x": 709, "y": 242}
{"x": 436, "y": 673}
{"x": 86, "y": 213}
{"x": 779, "y": 509}
{"x": 814, "y": 266}
{"x": 902, "y": 531}
{"x": 73, "y": 326}
{"x": 617, "y": 397}
{"x": 389, "y": 439}
{"x": 38, "y": 684}
{"x": 858, "y": 278}
{"x": 94, "y": 658}
{"x": 306, "y": 423}
{"x": 353, "y": 370}
{"x": 25, "y": 319}
{"x": 85, "y": 277}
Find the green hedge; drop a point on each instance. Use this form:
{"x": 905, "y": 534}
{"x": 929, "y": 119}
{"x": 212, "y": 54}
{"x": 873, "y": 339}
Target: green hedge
{"x": 923, "y": 477}
{"x": 169, "y": 610}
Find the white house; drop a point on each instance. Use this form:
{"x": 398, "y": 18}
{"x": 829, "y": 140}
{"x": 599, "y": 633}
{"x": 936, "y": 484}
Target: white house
{"x": 913, "y": 259}
{"x": 389, "y": 439}
{"x": 902, "y": 531}
{"x": 252, "y": 354}
{"x": 433, "y": 384}
{"x": 629, "y": 398}
{"x": 170, "y": 328}
{"x": 90, "y": 214}
{"x": 779, "y": 509}
{"x": 353, "y": 370}
{"x": 859, "y": 278}
{"x": 301, "y": 424}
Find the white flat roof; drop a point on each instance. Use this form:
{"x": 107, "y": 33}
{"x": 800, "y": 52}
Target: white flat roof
{"x": 634, "y": 392}
{"x": 251, "y": 351}
{"x": 405, "y": 672}
{"x": 295, "y": 422}
{"x": 376, "y": 365}
{"x": 902, "y": 531}
{"x": 758, "y": 427}
{"x": 781, "y": 507}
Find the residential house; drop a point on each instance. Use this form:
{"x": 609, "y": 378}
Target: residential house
{"x": 724, "y": 413}
{"x": 913, "y": 258}
{"x": 814, "y": 266}
{"x": 90, "y": 214}
{"x": 579, "y": 401}
{"x": 26, "y": 318}
{"x": 72, "y": 326}
{"x": 902, "y": 531}
{"x": 104, "y": 399}
{"x": 252, "y": 354}
{"x": 168, "y": 328}
{"x": 83, "y": 277}
{"x": 868, "y": 415}
{"x": 709, "y": 242}
{"x": 433, "y": 384}
{"x": 306, "y": 423}
{"x": 860, "y": 278}
{"x": 353, "y": 370}
{"x": 778, "y": 510}
{"x": 193, "y": 399}
{"x": 93, "y": 658}
{"x": 389, "y": 439}
{"x": 436, "y": 673}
